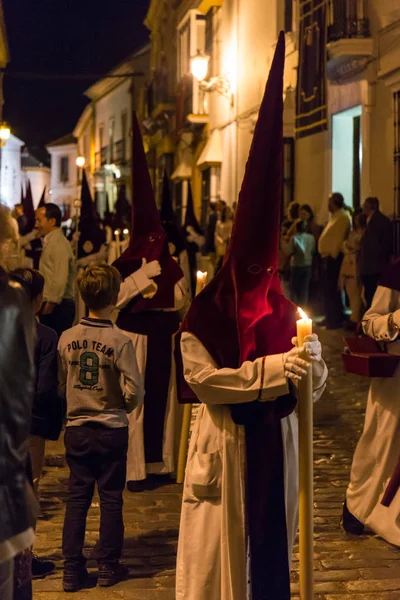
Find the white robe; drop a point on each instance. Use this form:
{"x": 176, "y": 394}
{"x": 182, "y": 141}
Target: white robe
{"x": 137, "y": 468}
{"x": 378, "y": 449}
{"x": 211, "y": 563}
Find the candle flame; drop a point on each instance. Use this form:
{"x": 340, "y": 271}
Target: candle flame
{"x": 302, "y": 313}
{"x": 117, "y": 232}
{"x": 126, "y": 231}
{"x": 201, "y": 274}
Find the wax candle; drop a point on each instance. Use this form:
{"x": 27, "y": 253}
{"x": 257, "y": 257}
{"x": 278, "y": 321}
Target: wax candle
{"x": 304, "y": 327}
{"x": 201, "y": 278}
{"x": 306, "y": 471}
{"x": 117, "y": 234}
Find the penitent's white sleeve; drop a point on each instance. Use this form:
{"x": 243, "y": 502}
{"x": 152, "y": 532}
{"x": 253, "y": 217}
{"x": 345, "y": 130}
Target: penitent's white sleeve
{"x": 262, "y": 379}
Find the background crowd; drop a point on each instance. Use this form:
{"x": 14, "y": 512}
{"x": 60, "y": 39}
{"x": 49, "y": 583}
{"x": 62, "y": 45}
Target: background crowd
{"x": 337, "y": 267}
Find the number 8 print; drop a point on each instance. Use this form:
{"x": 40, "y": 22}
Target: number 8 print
{"x": 89, "y": 368}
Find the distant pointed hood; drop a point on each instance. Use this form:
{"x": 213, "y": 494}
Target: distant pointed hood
{"x": 242, "y": 314}
{"x": 121, "y": 218}
{"x": 148, "y": 238}
{"x": 190, "y": 218}
{"x": 167, "y": 213}
{"x": 42, "y": 201}
{"x": 169, "y": 219}
{"x": 91, "y": 235}
{"x": 29, "y": 211}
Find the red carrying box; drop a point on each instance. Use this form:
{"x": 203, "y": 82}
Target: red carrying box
{"x": 364, "y": 356}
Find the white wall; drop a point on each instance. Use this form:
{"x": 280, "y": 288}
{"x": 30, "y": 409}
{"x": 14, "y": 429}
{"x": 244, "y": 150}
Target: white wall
{"x": 112, "y": 106}
{"x": 39, "y": 178}
{"x": 63, "y": 193}
{"x": 10, "y": 171}
{"x": 342, "y": 152}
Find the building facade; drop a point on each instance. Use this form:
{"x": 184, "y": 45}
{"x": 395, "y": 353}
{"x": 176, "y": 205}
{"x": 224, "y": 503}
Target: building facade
{"x": 104, "y": 128}
{"x": 64, "y": 173}
{"x": 10, "y": 171}
{"x": 38, "y": 175}
{"x": 201, "y": 130}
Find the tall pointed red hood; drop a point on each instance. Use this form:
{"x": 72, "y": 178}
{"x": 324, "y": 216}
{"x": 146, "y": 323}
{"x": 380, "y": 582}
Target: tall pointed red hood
{"x": 148, "y": 239}
{"x": 242, "y": 313}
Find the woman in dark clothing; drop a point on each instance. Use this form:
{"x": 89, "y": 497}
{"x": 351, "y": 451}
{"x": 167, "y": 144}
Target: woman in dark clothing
{"x": 17, "y": 501}
{"x": 47, "y": 410}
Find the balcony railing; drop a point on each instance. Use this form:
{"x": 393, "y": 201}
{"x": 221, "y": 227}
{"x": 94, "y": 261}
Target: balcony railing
{"x": 120, "y": 152}
{"x": 349, "y": 20}
{"x": 158, "y": 93}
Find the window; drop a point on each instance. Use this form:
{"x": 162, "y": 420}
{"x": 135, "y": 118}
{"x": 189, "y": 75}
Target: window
{"x": 209, "y": 37}
{"x": 210, "y": 191}
{"x": 396, "y": 153}
{"x": 111, "y": 135}
{"x": 124, "y": 125}
{"x": 288, "y": 16}
{"x": 86, "y": 148}
{"x": 64, "y": 169}
{"x": 191, "y": 39}
{"x": 101, "y": 136}
{"x": 396, "y": 161}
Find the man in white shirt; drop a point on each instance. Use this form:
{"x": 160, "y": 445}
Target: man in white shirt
{"x": 57, "y": 265}
{"x": 329, "y": 247}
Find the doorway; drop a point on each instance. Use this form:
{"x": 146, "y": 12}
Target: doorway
{"x": 347, "y": 155}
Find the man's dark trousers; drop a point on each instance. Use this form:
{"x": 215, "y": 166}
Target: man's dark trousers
{"x": 370, "y": 283}
{"x": 333, "y": 302}
{"x": 62, "y": 317}
{"x": 95, "y": 453}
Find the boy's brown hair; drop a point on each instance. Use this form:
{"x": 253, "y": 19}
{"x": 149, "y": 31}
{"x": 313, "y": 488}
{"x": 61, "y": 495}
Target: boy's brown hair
{"x": 99, "y": 286}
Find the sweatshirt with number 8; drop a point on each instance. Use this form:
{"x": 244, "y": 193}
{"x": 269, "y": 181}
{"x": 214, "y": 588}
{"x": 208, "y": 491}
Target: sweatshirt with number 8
{"x": 98, "y": 374}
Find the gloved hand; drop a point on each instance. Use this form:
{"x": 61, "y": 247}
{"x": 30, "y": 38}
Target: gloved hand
{"x": 294, "y": 366}
{"x": 151, "y": 269}
{"x": 312, "y": 345}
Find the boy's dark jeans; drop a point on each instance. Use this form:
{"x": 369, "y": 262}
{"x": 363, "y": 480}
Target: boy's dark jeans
{"x": 95, "y": 453}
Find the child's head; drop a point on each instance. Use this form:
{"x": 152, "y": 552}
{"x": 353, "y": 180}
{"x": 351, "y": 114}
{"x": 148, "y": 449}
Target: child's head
{"x": 99, "y": 287}
{"x": 301, "y": 226}
{"x": 33, "y": 283}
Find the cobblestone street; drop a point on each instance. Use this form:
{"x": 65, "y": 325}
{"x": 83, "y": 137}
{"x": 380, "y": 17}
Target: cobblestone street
{"x": 346, "y": 567}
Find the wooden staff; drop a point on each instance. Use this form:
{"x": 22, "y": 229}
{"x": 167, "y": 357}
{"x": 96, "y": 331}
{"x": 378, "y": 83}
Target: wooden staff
{"x": 306, "y": 466}
{"x": 187, "y": 410}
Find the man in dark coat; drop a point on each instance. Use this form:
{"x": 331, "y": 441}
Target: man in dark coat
{"x": 376, "y": 247}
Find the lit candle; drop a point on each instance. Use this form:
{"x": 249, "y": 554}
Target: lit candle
{"x": 201, "y": 278}
{"x": 306, "y": 476}
{"x": 304, "y": 327}
{"x": 117, "y": 234}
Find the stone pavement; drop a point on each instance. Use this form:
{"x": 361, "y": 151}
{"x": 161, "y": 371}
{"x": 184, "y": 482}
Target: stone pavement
{"x": 346, "y": 567}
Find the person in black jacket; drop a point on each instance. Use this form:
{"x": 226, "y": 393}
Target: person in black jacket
{"x": 47, "y": 410}
{"x": 376, "y": 247}
{"x": 17, "y": 378}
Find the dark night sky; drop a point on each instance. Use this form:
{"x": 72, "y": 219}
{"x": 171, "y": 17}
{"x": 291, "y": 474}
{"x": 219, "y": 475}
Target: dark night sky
{"x": 63, "y": 36}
